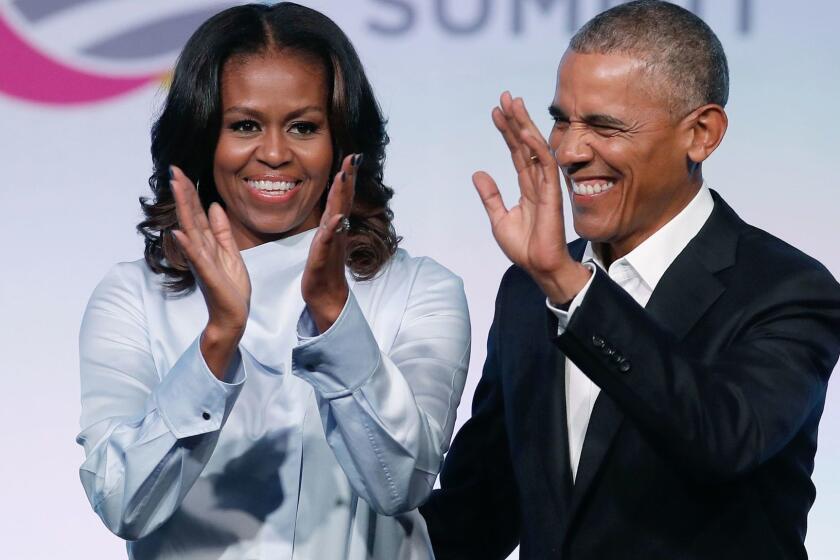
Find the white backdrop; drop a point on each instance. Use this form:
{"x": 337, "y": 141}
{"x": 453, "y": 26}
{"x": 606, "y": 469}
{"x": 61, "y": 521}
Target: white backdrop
{"x": 72, "y": 171}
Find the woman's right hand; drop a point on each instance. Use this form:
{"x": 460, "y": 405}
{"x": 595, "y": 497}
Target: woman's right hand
{"x": 207, "y": 242}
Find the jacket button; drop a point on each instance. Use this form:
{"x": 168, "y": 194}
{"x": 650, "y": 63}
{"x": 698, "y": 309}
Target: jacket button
{"x": 624, "y": 367}
{"x": 598, "y": 342}
{"x": 617, "y": 358}
{"x": 606, "y": 350}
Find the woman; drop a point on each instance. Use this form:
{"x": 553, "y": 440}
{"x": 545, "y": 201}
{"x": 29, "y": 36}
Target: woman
{"x": 276, "y": 379}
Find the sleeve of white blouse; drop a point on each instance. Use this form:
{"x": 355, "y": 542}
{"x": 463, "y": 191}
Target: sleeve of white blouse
{"x": 390, "y": 416}
{"x": 146, "y": 438}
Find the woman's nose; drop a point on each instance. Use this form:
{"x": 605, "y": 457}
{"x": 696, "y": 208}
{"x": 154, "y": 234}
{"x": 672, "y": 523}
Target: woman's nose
{"x": 274, "y": 150}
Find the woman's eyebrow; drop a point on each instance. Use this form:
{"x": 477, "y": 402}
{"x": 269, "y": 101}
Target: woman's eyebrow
{"x": 256, "y": 113}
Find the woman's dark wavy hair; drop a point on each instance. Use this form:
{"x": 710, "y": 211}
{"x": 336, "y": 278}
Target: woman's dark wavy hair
{"x": 188, "y": 128}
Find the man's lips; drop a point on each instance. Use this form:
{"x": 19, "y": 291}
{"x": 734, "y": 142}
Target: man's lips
{"x": 591, "y": 186}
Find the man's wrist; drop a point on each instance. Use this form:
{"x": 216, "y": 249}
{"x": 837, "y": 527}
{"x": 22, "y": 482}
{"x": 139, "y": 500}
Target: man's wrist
{"x": 563, "y": 285}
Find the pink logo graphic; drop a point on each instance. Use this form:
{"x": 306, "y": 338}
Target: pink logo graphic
{"x": 84, "y": 51}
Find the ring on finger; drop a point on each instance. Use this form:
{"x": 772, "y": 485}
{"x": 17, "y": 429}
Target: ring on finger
{"x": 343, "y": 225}
{"x": 533, "y": 158}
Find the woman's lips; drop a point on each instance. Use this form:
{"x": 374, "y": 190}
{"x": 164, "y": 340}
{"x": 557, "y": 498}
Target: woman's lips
{"x": 274, "y": 189}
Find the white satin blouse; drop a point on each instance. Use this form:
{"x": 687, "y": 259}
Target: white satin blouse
{"x": 315, "y": 447}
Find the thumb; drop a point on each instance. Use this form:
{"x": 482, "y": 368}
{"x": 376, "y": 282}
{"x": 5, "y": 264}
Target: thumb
{"x": 490, "y": 196}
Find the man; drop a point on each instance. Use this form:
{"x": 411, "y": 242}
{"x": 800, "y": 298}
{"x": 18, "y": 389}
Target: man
{"x": 671, "y": 408}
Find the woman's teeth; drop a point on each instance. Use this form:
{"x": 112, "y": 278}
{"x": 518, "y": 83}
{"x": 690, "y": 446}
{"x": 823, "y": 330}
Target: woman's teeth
{"x": 272, "y": 186}
{"x": 592, "y": 187}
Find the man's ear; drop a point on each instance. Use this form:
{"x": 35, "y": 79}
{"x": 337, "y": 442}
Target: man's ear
{"x": 706, "y": 125}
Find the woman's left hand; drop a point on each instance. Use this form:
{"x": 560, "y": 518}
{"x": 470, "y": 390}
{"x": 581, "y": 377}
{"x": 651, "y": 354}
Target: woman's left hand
{"x": 324, "y": 284}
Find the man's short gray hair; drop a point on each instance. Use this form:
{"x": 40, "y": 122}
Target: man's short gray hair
{"x": 674, "y": 43}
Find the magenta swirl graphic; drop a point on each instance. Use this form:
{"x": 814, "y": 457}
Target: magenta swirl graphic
{"x": 69, "y": 52}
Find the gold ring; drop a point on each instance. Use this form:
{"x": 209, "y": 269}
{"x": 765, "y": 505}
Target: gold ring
{"x": 534, "y": 158}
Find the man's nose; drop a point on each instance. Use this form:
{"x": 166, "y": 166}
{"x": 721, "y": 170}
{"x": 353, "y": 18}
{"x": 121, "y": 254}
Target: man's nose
{"x": 571, "y": 147}
{"x": 274, "y": 150}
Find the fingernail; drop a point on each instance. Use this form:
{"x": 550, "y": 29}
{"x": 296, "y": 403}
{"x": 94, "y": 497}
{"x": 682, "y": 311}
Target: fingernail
{"x": 171, "y": 173}
{"x": 343, "y": 176}
{"x": 357, "y": 160}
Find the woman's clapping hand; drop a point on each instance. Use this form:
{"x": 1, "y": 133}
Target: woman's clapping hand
{"x": 324, "y": 284}
{"x": 207, "y": 242}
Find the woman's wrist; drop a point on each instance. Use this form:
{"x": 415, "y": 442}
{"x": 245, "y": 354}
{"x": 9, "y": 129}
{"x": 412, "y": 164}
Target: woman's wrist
{"x": 326, "y": 307}
{"x": 218, "y": 346}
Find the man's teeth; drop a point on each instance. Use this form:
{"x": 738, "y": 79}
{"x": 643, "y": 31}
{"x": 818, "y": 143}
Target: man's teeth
{"x": 591, "y": 188}
{"x": 272, "y": 185}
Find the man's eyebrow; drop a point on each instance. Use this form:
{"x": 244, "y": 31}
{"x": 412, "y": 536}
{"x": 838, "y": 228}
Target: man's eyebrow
{"x": 594, "y": 119}
{"x": 557, "y": 113}
{"x": 599, "y": 119}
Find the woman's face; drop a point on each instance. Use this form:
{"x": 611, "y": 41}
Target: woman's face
{"x": 274, "y": 155}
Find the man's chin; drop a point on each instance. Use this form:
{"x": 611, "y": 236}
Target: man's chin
{"x": 592, "y": 230}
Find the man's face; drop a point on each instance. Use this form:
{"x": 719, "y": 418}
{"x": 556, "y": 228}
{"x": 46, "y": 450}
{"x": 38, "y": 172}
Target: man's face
{"x": 622, "y": 153}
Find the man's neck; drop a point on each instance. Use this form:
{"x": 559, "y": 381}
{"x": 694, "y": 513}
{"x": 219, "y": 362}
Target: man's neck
{"x": 611, "y": 251}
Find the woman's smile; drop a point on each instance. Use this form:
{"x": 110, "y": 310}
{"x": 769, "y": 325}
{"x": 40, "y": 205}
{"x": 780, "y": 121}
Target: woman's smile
{"x": 274, "y": 157}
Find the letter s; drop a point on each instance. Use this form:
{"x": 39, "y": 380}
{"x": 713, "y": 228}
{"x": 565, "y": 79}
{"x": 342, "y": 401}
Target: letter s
{"x": 402, "y": 26}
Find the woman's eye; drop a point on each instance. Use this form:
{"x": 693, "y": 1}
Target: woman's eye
{"x": 303, "y": 128}
{"x": 245, "y": 126}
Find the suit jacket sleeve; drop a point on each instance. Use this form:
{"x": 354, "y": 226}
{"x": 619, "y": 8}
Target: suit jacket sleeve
{"x": 723, "y": 416}
{"x": 475, "y": 513}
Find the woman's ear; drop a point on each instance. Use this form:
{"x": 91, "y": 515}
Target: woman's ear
{"x": 707, "y": 126}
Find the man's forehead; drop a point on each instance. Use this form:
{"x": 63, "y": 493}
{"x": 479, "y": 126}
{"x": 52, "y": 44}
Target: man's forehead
{"x": 595, "y": 81}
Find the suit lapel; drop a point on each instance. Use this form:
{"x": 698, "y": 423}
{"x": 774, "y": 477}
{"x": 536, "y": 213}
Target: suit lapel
{"x": 603, "y": 425}
{"x": 690, "y": 285}
{"x": 555, "y": 455}
{"x": 687, "y": 289}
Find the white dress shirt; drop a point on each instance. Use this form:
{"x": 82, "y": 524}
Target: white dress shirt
{"x": 311, "y": 444}
{"x": 638, "y": 273}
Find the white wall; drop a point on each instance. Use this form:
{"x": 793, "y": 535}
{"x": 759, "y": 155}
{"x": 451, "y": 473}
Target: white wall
{"x": 71, "y": 175}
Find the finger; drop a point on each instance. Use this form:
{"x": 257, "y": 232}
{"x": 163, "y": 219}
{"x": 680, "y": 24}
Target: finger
{"x": 183, "y": 240}
{"x": 507, "y": 104}
{"x": 549, "y": 186}
{"x": 195, "y": 223}
{"x": 342, "y": 190}
{"x": 182, "y": 205}
{"x": 324, "y": 242}
{"x": 511, "y": 139}
{"x": 524, "y": 122}
{"x": 190, "y": 192}
{"x": 186, "y": 246}
{"x": 490, "y": 196}
{"x": 203, "y": 270}
{"x": 220, "y": 225}
{"x": 523, "y": 119}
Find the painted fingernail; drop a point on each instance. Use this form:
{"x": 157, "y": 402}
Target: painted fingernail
{"x": 343, "y": 176}
{"x": 171, "y": 173}
{"x": 357, "y": 160}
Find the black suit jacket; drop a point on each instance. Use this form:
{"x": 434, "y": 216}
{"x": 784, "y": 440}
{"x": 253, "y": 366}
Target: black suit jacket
{"x": 701, "y": 443}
